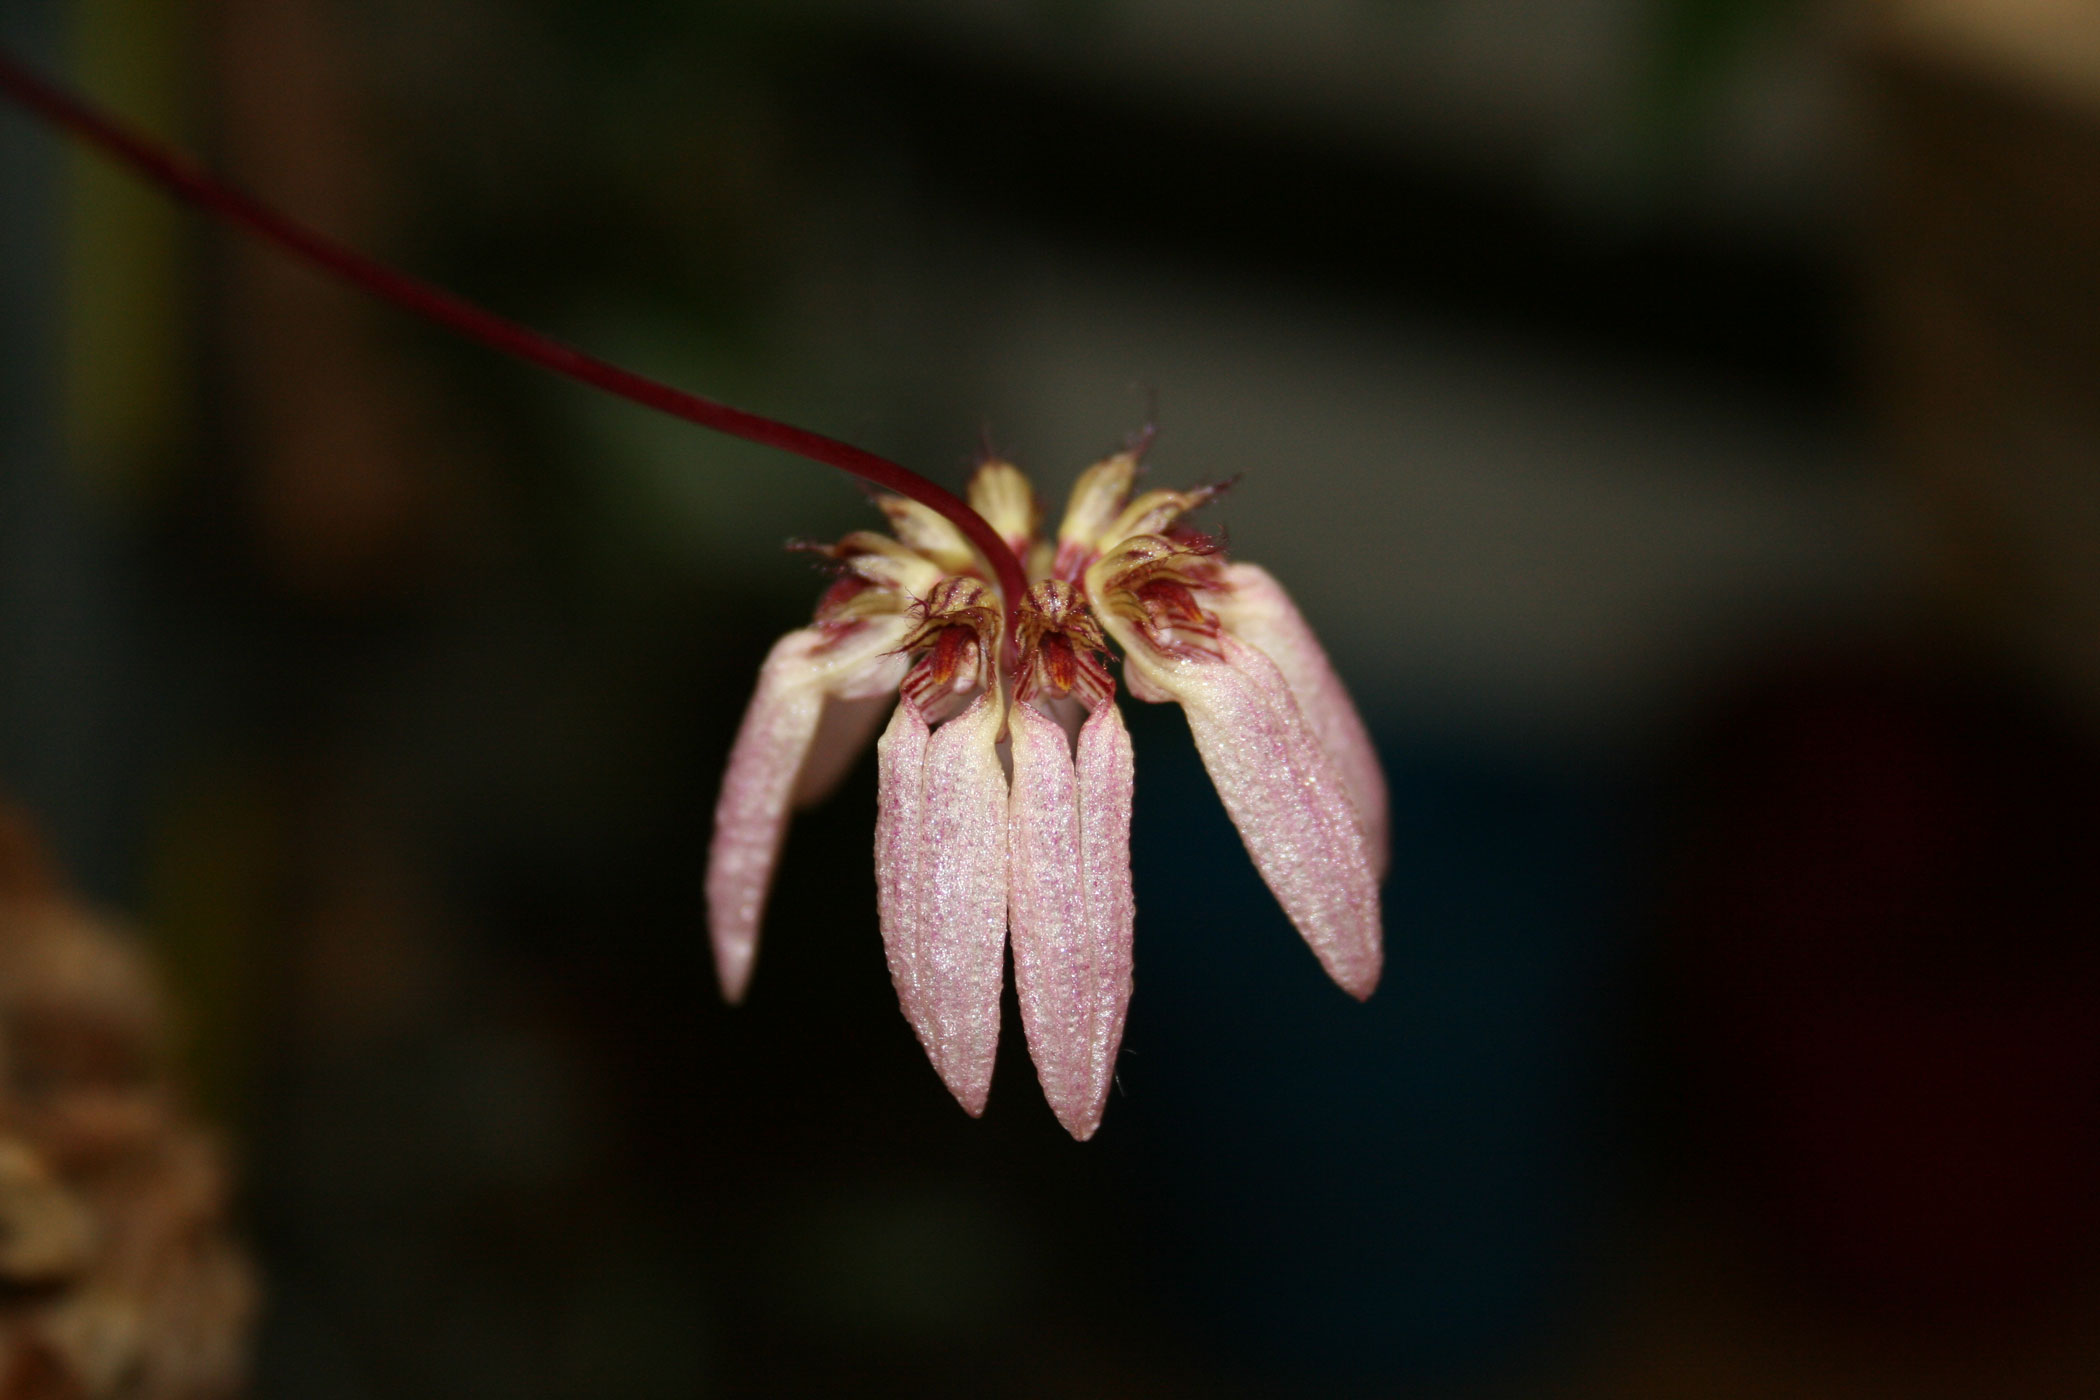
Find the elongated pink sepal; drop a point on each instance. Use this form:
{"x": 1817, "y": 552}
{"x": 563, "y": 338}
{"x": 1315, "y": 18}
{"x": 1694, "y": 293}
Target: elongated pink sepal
{"x": 1257, "y": 609}
{"x": 766, "y": 764}
{"x": 1072, "y": 911}
{"x": 843, "y": 735}
{"x": 940, "y": 880}
{"x": 751, "y": 814}
{"x": 1288, "y": 800}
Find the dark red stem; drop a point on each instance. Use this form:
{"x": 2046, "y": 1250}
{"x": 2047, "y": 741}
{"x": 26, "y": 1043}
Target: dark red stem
{"x": 185, "y": 180}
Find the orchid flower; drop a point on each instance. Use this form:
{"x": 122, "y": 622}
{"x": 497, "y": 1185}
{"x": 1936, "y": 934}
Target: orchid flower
{"x": 1005, "y": 772}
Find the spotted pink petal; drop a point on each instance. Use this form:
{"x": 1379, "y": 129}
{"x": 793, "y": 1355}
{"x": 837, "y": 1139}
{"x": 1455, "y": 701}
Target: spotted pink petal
{"x": 1287, "y": 799}
{"x": 1255, "y": 606}
{"x": 940, "y": 883}
{"x": 1069, "y": 894}
{"x": 773, "y": 746}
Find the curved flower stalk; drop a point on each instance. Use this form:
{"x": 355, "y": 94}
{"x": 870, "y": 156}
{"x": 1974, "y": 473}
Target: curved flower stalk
{"x": 1005, "y": 772}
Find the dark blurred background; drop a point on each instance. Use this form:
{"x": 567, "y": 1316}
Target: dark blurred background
{"x": 1681, "y": 418}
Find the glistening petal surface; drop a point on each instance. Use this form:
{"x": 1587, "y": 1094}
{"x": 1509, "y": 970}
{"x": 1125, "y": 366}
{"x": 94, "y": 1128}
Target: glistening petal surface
{"x": 1286, "y": 798}
{"x": 1070, "y": 897}
{"x": 940, "y": 875}
{"x": 1255, "y": 606}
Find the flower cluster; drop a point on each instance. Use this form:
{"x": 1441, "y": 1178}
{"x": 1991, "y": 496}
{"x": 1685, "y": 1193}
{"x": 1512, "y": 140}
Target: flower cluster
{"x": 1005, "y": 771}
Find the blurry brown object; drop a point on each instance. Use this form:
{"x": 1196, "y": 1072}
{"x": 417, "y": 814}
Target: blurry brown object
{"x": 117, "y": 1275}
{"x": 1983, "y": 273}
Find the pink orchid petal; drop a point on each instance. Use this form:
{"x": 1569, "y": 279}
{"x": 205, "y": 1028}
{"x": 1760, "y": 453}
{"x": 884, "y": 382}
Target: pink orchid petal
{"x": 1288, "y": 801}
{"x": 770, "y": 755}
{"x": 1071, "y": 906}
{"x": 900, "y": 848}
{"x": 842, "y": 736}
{"x": 1256, "y": 607}
{"x": 940, "y": 879}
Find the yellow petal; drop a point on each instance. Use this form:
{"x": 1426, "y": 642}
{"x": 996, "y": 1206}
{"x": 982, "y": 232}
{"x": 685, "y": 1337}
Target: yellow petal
{"x": 1097, "y": 498}
{"x": 927, "y": 531}
{"x": 1001, "y": 494}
